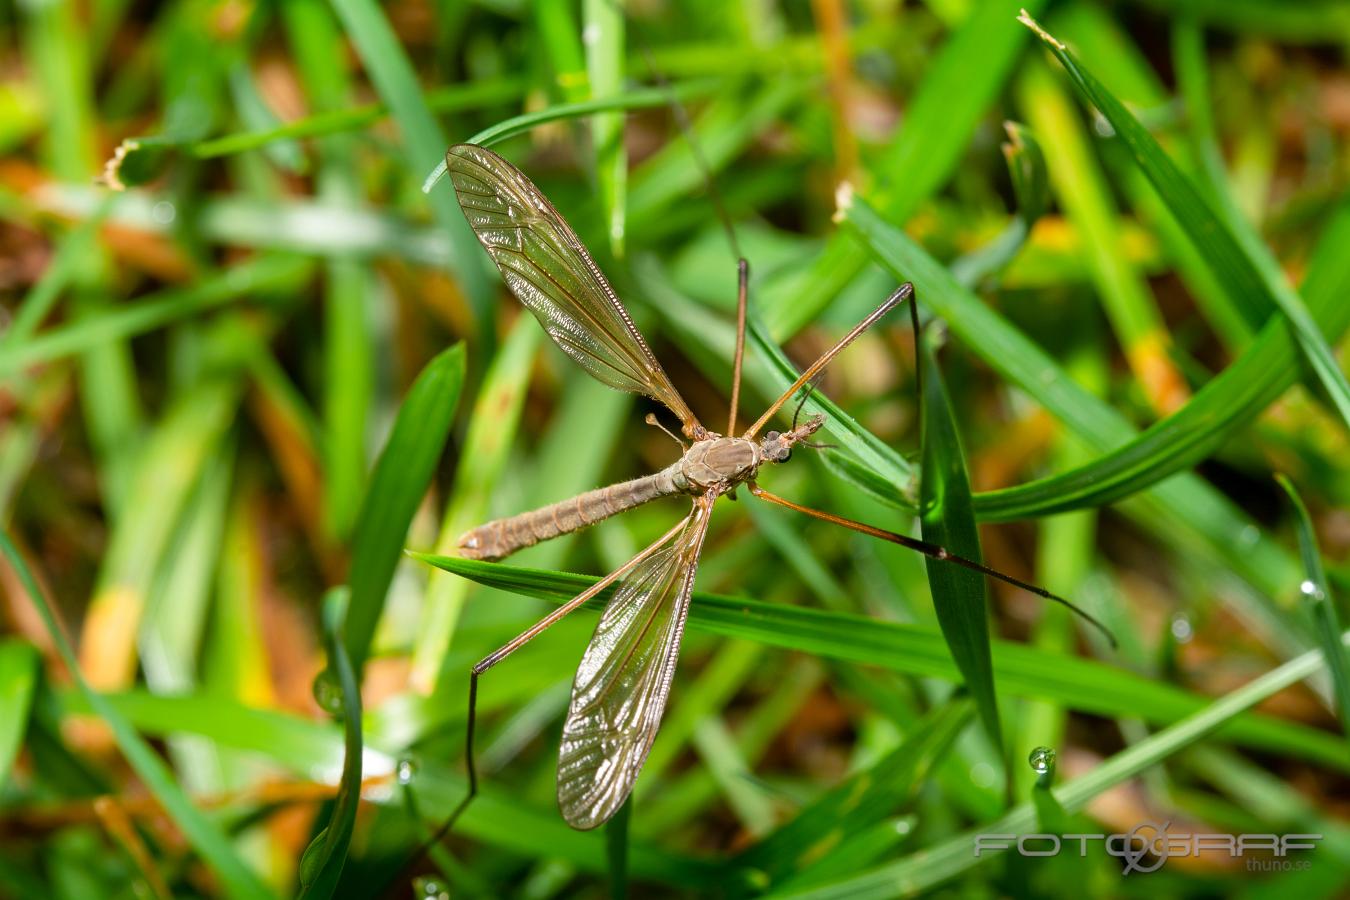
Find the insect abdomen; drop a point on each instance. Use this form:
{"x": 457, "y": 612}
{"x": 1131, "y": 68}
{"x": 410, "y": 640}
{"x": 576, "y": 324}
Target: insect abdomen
{"x": 502, "y": 537}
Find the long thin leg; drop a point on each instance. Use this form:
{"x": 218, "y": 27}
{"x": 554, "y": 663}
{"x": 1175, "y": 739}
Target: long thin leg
{"x": 742, "y": 294}
{"x": 902, "y": 293}
{"x": 506, "y": 650}
{"x": 931, "y": 550}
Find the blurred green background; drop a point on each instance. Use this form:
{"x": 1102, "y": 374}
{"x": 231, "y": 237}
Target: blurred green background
{"x": 245, "y": 361}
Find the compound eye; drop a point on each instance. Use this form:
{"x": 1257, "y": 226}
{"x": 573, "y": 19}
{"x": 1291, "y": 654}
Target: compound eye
{"x": 772, "y": 436}
{"x": 787, "y": 454}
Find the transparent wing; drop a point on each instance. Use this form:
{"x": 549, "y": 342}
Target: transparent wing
{"x": 624, "y": 679}
{"x": 546, "y": 266}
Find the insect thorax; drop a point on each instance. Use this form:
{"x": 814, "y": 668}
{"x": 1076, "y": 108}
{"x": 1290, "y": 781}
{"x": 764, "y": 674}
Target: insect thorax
{"x": 722, "y": 462}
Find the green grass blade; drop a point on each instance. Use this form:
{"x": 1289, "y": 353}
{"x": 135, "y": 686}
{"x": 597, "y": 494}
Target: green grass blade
{"x": 201, "y": 832}
{"x": 336, "y": 836}
{"x": 1317, "y": 594}
{"x": 18, "y": 677}
{"x": 603, "y": 41}
{"x": 949, "y": 102}
{"x": 1185, "y": 503}
{"x": 482, "y": 463}
{"x": 934, "y": 865}
{"x": 859, "y": 801}
{"x": 616, "y": 848}
{"x": 271, "y": 275}
{"x": 1019, "y": 670}
{"x": 948, "y": 520}
{"x": 399, "y": 482}
{"x": 392, "y": 72}
{"x": 1234, "y": 251}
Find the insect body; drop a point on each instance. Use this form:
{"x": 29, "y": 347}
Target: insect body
{"x": 715, "y": 463}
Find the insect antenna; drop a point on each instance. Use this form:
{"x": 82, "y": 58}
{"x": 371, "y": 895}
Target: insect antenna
{"x": 936, "y": 552}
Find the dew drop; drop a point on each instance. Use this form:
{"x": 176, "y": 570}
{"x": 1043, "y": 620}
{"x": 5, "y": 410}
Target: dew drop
{"x": 406, "y": 770}
{"x": 1181, "y": 629}
{"x": 163, "y": 213}
{"x": 1041, "y": 760}
{"x": 430, "y": 889}
{"x": 327, "y": 693}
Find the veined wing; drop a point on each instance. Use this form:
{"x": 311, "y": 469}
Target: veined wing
{"x": 624, "y": 678}
{"x": 546, "y": 266}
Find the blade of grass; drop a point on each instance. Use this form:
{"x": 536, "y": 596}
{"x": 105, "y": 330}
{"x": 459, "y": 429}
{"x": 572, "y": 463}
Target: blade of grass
{"x": 266, "y": 276}
{"x": 860, "y": 801}
{"x": 942, "y": 113}
{"x": 392, "y": 72}
{"x": 167, "y": 468}
{"x": 482, "y": 463}
{"x": 400, "y": 480}
{"x": 332, "y": 845}
{"x": 1183, "y": 504}
{"x": 1019, "y": 670}
{"x": 1084, "y": 194}
{"x": 200, "y": 832}
{"x": 1235, "y": 252}
{"x": 934, "y": 865}
{"x": 1317, "y": 594}
{"x": 948, "y": 520}
{"x": 602, "y": 39}
{"x": 19, "y": 661}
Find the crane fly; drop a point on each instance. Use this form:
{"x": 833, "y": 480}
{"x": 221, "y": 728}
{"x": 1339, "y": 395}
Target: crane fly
{"x": 624, "y": 678}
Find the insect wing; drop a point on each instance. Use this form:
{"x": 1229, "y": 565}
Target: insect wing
{"x": 624, "y": 679}
{"x": 546, "y": 266}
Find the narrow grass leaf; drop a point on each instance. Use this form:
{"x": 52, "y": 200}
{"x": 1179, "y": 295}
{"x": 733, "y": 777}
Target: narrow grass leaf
{"x": 267, "y": 276}
{"x": 920, "y": 872}
{"x": 392, "y": 73}
{"x": 325, "y": 865}
{"x": 939, "y": 118}
{"x": 1317, "y": 594}
{"x": 834, "y": 820}
{"x": 602, "y": 40}
{"x": 638, "y": 98}
{"x": 201, "y": 832}
{"x": 18, "y": 677}
{"x": 616, "y": 849}
{"x": 402, "y": 474}
{"x": 1023, "y": 671}
{"x": 482, "y": 462}
{"x": 1233, "y": 249}
{"x": 948, "y": 520}
{"x": 1184, "y": 502}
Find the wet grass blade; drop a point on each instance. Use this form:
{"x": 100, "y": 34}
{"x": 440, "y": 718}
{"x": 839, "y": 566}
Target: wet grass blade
{"x": 320, "y": 872}
{"x": 925, "y": 869}
{"x": 397, "y": 486}
{"x": 1019, "y": 670}
{"x": 1317, "y": 594}
{"x": 1233, "y": 249}
{"x": 1192, "y": 506}
{"x": 947, "y": 519}
{"x": 201, "y": 832}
